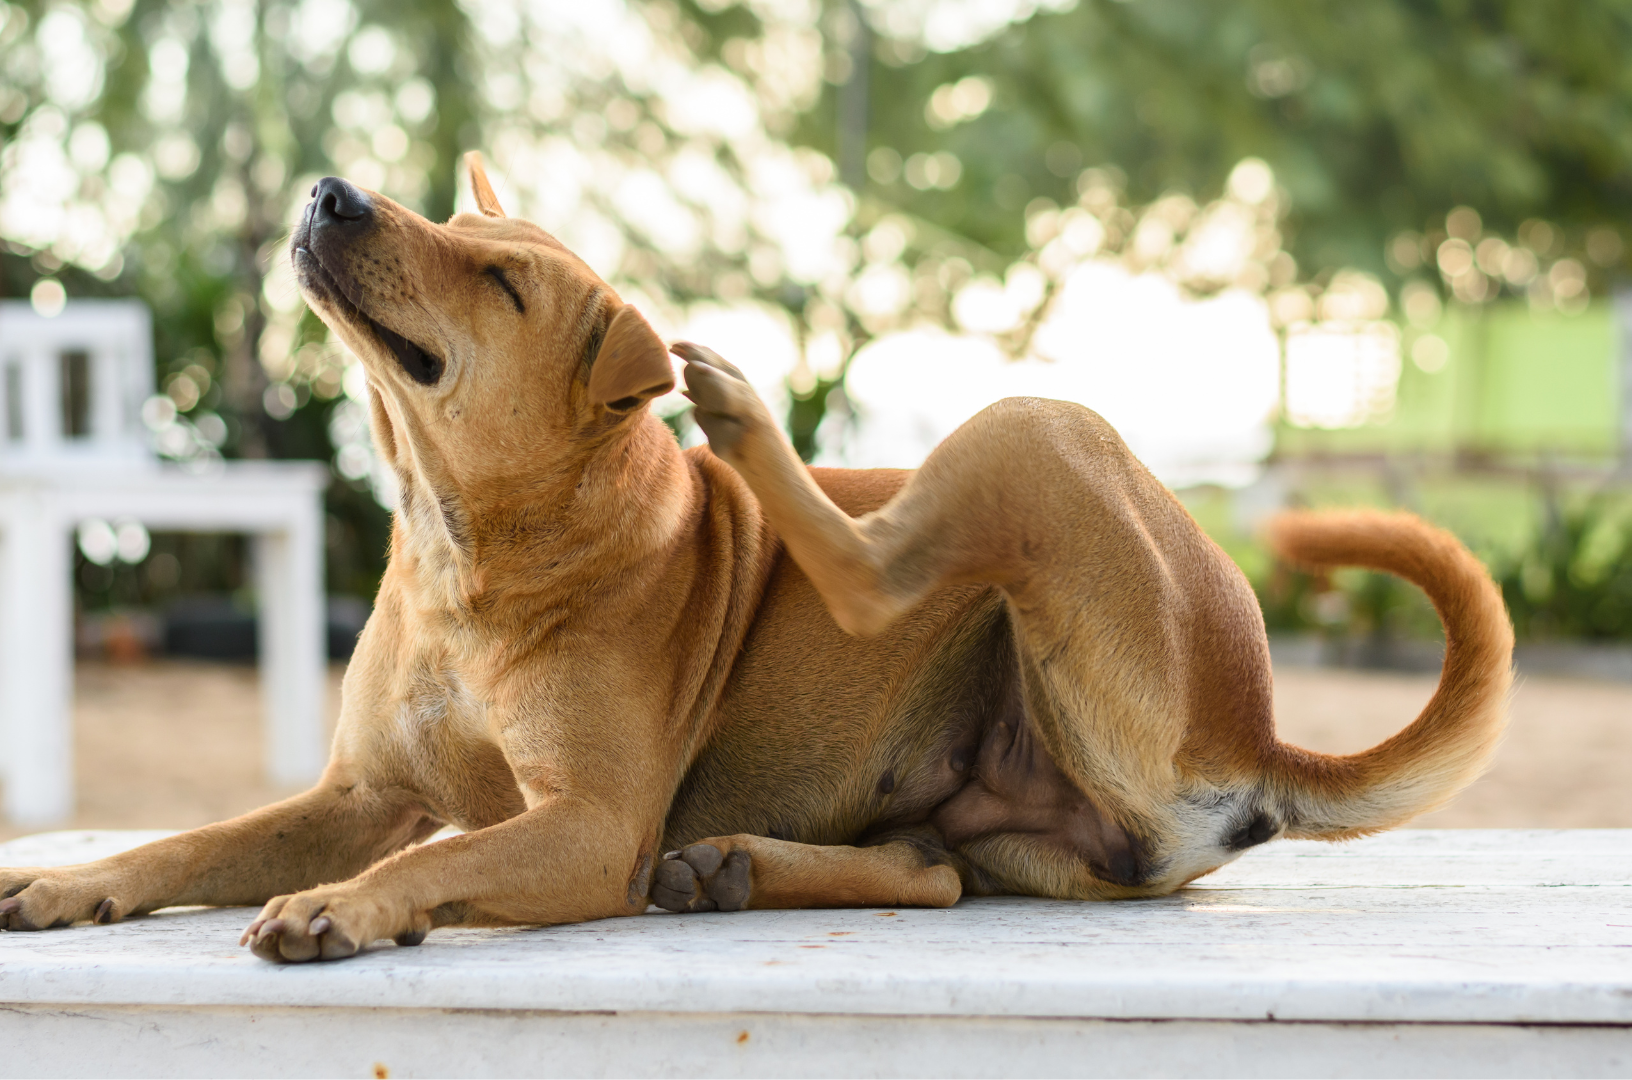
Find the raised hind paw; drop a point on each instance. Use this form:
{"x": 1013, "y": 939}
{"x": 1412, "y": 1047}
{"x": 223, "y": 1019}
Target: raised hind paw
{"x": 704, "y": 878}
{"x": 729, "y": 410}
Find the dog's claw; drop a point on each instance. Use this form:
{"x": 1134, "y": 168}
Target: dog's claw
{"x": 705, "y": 357}
{"x": 320, "y": 925}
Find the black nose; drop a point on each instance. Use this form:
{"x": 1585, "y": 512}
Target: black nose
{"x": 335, "y": 202}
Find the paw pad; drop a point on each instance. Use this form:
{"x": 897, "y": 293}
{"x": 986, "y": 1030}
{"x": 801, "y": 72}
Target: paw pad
{"x": 702, "y": 878}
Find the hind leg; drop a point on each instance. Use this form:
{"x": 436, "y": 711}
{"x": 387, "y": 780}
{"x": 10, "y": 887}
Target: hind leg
{"x": 1041, "y": 498}
{"x": 731, "y": 873}
{"x": 870, "y": 570}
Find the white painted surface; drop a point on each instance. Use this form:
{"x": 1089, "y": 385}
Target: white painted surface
{"x": 279, "y": 502}
{"x": 114, "y": 1040}
{"x": 1416, "y": 953}
{"x": 1497, "y": 926}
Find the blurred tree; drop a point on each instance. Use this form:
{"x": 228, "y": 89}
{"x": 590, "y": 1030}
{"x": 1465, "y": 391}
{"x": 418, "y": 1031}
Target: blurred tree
{"x": 1576, "y": 580}
{"x": 1377, "y": 118}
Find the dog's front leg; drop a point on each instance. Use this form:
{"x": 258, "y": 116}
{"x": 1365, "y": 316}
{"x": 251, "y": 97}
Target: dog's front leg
{"x": 564, "y": 860}
{"x": 597, "y": 782}
{"x": 332, "y": 831}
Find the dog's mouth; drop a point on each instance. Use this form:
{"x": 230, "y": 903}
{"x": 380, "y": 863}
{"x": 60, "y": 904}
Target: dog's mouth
{"x": 420, "y": 364}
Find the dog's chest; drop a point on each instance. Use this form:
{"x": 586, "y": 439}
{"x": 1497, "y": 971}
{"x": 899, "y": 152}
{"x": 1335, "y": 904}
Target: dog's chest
{"x": 443, "y": 735}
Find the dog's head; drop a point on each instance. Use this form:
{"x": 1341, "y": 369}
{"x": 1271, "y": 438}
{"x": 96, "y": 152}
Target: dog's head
{"x": 493, "y": 353}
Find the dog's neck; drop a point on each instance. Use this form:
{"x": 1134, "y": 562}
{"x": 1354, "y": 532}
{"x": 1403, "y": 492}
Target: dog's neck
{"x": 489, "y": 554}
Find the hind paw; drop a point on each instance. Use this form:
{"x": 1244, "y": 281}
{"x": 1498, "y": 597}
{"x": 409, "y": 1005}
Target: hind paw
{"x": 729, "y": 410}
{"x": 704, "y": 878}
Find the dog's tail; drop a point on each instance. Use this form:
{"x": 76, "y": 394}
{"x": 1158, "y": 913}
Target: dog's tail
{"x": 1445, "y": 749}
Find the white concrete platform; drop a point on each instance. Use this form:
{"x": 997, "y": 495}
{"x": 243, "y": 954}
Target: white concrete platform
{"x": 1423, "y": 953}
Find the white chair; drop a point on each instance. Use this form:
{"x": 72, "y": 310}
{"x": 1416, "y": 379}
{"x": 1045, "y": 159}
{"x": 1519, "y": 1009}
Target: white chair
{"x": 72, "y": 447}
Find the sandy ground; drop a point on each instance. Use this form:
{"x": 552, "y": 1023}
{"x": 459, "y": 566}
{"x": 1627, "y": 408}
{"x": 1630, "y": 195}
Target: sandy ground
{"x": 1567, "y": 761}
{"x": 176, "y": 744}
{"x": 168, "y": 744}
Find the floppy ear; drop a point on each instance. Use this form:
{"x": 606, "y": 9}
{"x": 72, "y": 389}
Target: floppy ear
{"x": 486, "y": 201}
{"x": 632, "y": 366}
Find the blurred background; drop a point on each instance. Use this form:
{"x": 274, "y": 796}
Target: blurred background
{"x": 1299, "y": 253}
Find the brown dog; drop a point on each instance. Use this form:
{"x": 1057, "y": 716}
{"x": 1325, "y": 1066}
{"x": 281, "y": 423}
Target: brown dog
{"x": 1021, "y": 669}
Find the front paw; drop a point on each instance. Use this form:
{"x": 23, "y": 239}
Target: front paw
{"x": 728, "y": 410}
{"x": 707, "y": 876}
{"x": 33, "y": 899}
{"x": 330, "y": 923}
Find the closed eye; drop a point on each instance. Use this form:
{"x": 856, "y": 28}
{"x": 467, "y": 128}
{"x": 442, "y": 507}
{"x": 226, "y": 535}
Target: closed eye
{"x": 504, "y": 283}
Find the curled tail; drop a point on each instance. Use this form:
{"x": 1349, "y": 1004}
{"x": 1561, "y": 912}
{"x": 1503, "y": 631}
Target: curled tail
{"x": 1332, "y": 797}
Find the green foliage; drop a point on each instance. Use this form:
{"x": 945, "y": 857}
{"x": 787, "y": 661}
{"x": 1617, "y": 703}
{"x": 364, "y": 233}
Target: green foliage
{"x": 1573, "y": 580}
{"x": 805, "y": 414}
{"x": 1576, "y": 580}
{"x": 178, "y": 566}
{"x": 1376, "y": 117}
{"x": 1349, "y": 604}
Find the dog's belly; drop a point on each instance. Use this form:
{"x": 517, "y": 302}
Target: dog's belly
{"x": 819, "y": 734}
